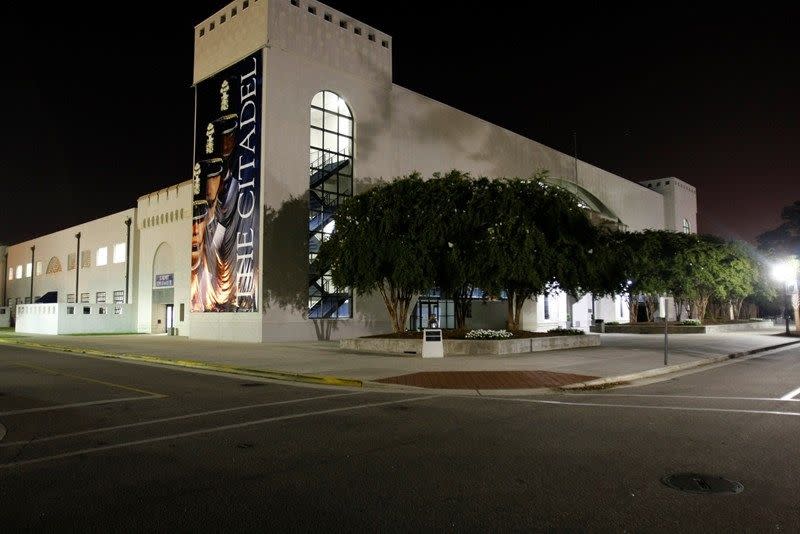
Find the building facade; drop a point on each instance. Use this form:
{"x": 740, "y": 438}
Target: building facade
{"x": 295, "y": 112}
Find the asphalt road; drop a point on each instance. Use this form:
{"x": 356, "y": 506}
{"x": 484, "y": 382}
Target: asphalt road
{"x": 94, "y": 444}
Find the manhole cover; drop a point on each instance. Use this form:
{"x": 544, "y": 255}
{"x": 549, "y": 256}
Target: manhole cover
{"x": 699, "y": 483}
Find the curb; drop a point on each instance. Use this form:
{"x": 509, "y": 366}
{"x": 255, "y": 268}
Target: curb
{"x": 194, "y": 364}
{"x": 611, "y": 381}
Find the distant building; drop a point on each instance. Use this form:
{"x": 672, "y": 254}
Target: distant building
{"x": 295, "y": 112}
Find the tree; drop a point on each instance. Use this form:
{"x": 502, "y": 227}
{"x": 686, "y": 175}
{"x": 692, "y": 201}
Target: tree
{"x": 785, "y": 239}
{"x": 379, "y": 245}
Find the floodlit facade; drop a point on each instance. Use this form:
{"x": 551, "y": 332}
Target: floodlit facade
{"x": 295, "y": 112}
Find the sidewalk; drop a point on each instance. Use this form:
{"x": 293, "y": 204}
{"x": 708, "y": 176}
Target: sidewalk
{"x": 619, "y": 354}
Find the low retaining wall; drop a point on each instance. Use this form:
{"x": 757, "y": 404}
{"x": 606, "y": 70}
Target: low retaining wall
{"x": 655, "y": 328}
{"x": 462, "y": 347}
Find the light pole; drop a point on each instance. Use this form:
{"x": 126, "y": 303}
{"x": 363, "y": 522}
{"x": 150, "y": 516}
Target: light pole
{"x": 785, "y": 272}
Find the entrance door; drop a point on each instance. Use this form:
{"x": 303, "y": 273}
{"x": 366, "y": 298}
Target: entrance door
{"x": 170, "y": 308}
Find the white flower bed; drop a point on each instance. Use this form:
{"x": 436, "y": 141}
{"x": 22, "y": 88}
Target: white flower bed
{"x": 488, "y": 334}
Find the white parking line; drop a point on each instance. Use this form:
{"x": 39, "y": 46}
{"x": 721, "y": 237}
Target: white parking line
{"x": 791, "y": 395}
{"x": 174, "y": 418}
{"x": 80, "y": 404}
{"x": 214, "y": 430}
{"x": 704, "y": 397}
{"x": 640, "y": 406}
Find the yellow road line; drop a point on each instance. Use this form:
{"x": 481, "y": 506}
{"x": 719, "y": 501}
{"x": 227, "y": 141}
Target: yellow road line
{"x": 87, "y": 379}
{"x": 194, "y": 364}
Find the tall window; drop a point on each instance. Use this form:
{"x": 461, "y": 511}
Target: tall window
{"x": 330, "y": 182}
{"x": 119, "y": 253}
{"x": 38, "y": 268}
{"x": 28, "y": 270}
{"x": 102, "y": 256}
{"x": 687, "y": 229}
{"x": 19, "y": 272}
{"x": 546, "y": 307}
{"x": 10, "y": 273}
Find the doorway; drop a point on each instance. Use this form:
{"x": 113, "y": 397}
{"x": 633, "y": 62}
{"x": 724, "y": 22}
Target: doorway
{"x": 169, "y": 320}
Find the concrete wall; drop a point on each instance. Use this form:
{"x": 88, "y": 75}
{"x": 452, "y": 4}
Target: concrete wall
{"x": 63, "y": 318}
{"x": 680, "y": 202}
{"x": 103, "y": 232}
{"x": 165, "y": 223}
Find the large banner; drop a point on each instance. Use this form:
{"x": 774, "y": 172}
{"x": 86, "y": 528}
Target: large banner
{"x": 227, "y": 181}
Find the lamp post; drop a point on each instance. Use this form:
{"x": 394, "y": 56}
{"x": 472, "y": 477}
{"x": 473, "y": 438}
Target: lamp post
{"x": 785, "y": 272}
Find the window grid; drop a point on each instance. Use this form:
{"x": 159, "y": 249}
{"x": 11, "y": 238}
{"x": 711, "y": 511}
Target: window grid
{"x": 330, "y": 183}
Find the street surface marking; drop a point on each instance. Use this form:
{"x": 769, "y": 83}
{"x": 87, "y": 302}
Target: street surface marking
{"x": 769, "y": 399}
{"x": 212, "y": 430}
{"x": 791, "y": 395}
{"x": 80, "y": 404}
{"x": 641, "y": 406}
{"x": 94, "y": 380}
{"x": 174, "y": 418}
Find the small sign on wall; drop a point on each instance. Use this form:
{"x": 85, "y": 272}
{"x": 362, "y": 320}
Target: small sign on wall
{"x": 165, "y": 280}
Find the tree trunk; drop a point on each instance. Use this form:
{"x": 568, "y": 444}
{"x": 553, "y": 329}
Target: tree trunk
{"x": 511, "y": 319}
{"x": 650, "y": 303}
{"x": 633, "y": 308}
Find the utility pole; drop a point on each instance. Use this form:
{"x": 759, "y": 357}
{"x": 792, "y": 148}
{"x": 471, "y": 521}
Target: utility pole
{"x": 33, "y": 267}
{"x": 127, "y": 256}
{"x": 77, "y": 264}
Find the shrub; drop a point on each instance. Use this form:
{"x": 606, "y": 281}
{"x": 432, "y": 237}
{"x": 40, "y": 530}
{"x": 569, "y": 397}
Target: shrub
{"x": 566, "y": 331}
{"x": 691, "y": 322}
{"x": 488, "y": 334}
{"x": 612, "y": 323}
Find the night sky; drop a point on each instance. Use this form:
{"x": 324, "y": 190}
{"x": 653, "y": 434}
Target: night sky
{"x": 96, "y": 116}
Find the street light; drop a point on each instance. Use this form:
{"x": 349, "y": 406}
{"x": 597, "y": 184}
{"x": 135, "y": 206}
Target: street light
{"x": 785, "y": 272}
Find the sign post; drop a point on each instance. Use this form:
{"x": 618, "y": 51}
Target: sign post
{"x": 663, "y": 304}
{"x": 432, "y": 344}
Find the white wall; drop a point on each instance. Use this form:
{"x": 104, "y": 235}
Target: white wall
{"x": 165, "y": 219}
{"x": 103, "y": 232}
{"x": 63, "y": 318}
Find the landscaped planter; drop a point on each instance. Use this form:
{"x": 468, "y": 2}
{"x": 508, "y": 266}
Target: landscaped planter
{"x": 656, "y": 328}
{"x": 461, "y": 347}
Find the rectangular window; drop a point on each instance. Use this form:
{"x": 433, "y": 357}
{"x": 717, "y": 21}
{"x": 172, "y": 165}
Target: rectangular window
{"x": 343, "y": 24}
{"x": 222, "y": 19}
{"x": 38, "y": 268}
{"x": 100, "y": 296}
{"x": 102, "y": 256}
{"x": 101, "y": 310}
{"x": 19, "y": 272}
{"x": 119, "y": 297}
{"x": 202, "y": 32}
{"x": 28, "y": 270}
{"x": 70, "y": 310}
{"x": 233, "y": 12}
{"x": 245, "y": 4}
{"x": 117, "y": 310}
{"x": 296, "y": 3}
{"x": 27, "y": 300}
{"x": 71, "y": 261}
{"x": 357, "y": 31}
{"x": 71, "y": 297}
{"x": 87, "y": 310}
{"x": 546, "y": 307}
{"x": 328, "y": 17}
{"x": 84, "y": 297}
{"x": 119, "y": 253}
{"x": 86, "y": 259}
{"x": 312, "y": 10}
{"x": 10, "y": 273}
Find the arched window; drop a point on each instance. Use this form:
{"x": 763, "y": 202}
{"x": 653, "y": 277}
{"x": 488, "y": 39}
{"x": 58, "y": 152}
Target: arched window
{"x": 687, "y": 229}
{"x": 330, "y": 182}
{"x": 53, "y": 266}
